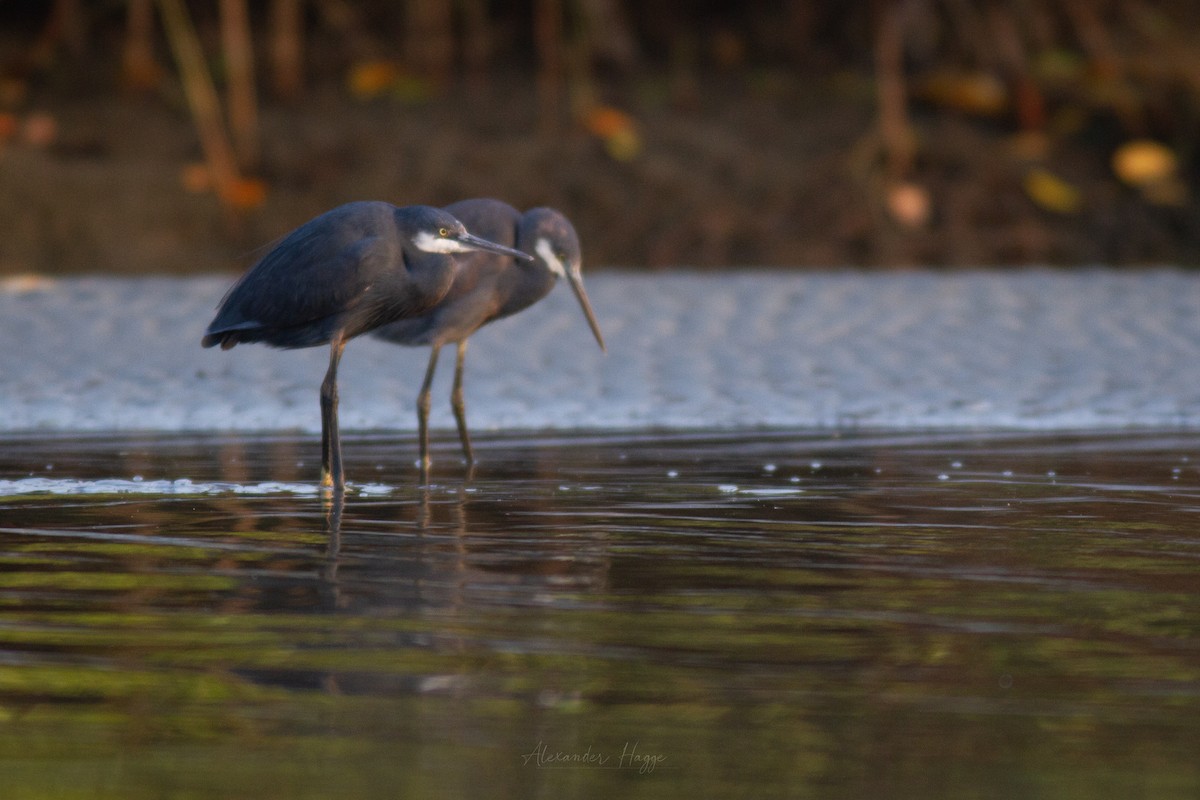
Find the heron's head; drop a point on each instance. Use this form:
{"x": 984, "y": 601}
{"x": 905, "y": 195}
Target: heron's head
{"x": 553, "y": 240}
{"x": 432, "y": 230}
{"x": 556, "y": 246}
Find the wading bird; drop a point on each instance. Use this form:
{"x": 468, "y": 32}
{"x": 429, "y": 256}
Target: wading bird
{"x": 490, "y": 286}
{"x": 340, "y": 275}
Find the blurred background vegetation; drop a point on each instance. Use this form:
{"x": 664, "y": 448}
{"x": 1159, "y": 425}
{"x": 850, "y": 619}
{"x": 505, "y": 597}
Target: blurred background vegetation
{"x": 169, "y": 136}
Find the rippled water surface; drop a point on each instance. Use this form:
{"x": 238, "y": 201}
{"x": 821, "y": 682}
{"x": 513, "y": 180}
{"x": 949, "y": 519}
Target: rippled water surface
{"x": 751, "y": 615}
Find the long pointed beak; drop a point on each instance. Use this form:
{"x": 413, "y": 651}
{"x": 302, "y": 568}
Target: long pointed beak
{"x": 476, "y": 243}
{"x": 576, "y": 280}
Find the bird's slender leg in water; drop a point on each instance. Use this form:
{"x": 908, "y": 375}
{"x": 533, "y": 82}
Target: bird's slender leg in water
{"x": 457, "y": 403}
{"x": 423, "y": 405}
{"x": 332, "y": 475}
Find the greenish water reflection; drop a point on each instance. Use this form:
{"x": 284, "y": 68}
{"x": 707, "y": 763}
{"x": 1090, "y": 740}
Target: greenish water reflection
{"x": 755, "y": 615}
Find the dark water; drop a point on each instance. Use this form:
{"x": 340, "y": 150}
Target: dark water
{"x": 752, "y": 615}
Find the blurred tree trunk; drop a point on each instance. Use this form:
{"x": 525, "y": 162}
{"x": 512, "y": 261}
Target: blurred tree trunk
{"x": 800, "y": 20}
{"x": 140, "y": 70}
{"x": 608, "y": 33}
{"x": 345, "y": 19}
{"x": 1106, "y": 63}
{"x": 1093, "y": 36}
{"x": 72, "y": 28}
{"x": 239, "y": 66}
{"x": 683, "y": 71}
{"x": 600, "y": 32}
{"x": 429, "y": 39}
{"x": 476, "y": 41}
{"x": 66, "y": 26}
{"x": 287, "y": 48}
{"x": 1028, "y": 102}
{"x": 201, "y": 97}
{"x": 895, "y": 132}
{"x": 548, "y": 40}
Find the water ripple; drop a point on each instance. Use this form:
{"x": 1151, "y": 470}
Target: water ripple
{"x": 181, "y": 486}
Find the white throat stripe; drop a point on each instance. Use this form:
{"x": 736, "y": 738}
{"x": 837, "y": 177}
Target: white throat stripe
{"x": 438, "y": 244}
{"x": 544, "y": 250}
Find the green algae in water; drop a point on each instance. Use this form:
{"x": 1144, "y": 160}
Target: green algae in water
{"x": 754, "y": 615}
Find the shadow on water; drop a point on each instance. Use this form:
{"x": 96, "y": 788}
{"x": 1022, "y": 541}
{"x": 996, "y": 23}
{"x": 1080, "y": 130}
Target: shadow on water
{"x": 592, "y": 616}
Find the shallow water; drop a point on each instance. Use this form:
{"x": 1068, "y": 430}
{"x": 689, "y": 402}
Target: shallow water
{"x": 764, "y": 614}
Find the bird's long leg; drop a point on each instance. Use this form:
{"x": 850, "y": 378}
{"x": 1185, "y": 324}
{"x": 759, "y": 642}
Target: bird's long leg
{"x": 332, "y": 474}
{"x": 459, "y": 406}
{"x": 423, "y": 406}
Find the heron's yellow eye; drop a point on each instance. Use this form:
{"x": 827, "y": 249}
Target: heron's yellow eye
{"x": 443, "y": 232}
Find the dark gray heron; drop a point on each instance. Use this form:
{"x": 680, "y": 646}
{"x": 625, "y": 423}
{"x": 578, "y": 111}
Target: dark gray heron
{"x": 487, "y": 287}
{"x": 340, "y": 275}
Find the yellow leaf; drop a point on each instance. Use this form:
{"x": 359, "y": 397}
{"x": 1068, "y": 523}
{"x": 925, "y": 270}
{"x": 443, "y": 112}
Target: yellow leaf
{"x": 246, "y": 193}
{"x": 1051, "y": 192}
{"x": 624, "y": 145}
{"x": 1144, "y": 161}
{"x": 369, "y": 79}
{"x": 606, "y": 121}
{"x": 971, "y": 92}
{"x": 617, "y": 129}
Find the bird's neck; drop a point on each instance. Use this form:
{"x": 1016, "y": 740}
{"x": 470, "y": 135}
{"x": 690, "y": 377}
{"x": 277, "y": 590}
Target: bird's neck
{"x": 524, "y": 285}
{"x": 431, "y": 277}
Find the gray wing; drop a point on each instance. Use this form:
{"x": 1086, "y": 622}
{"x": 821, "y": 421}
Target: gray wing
{"x": 314, "y": 280}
